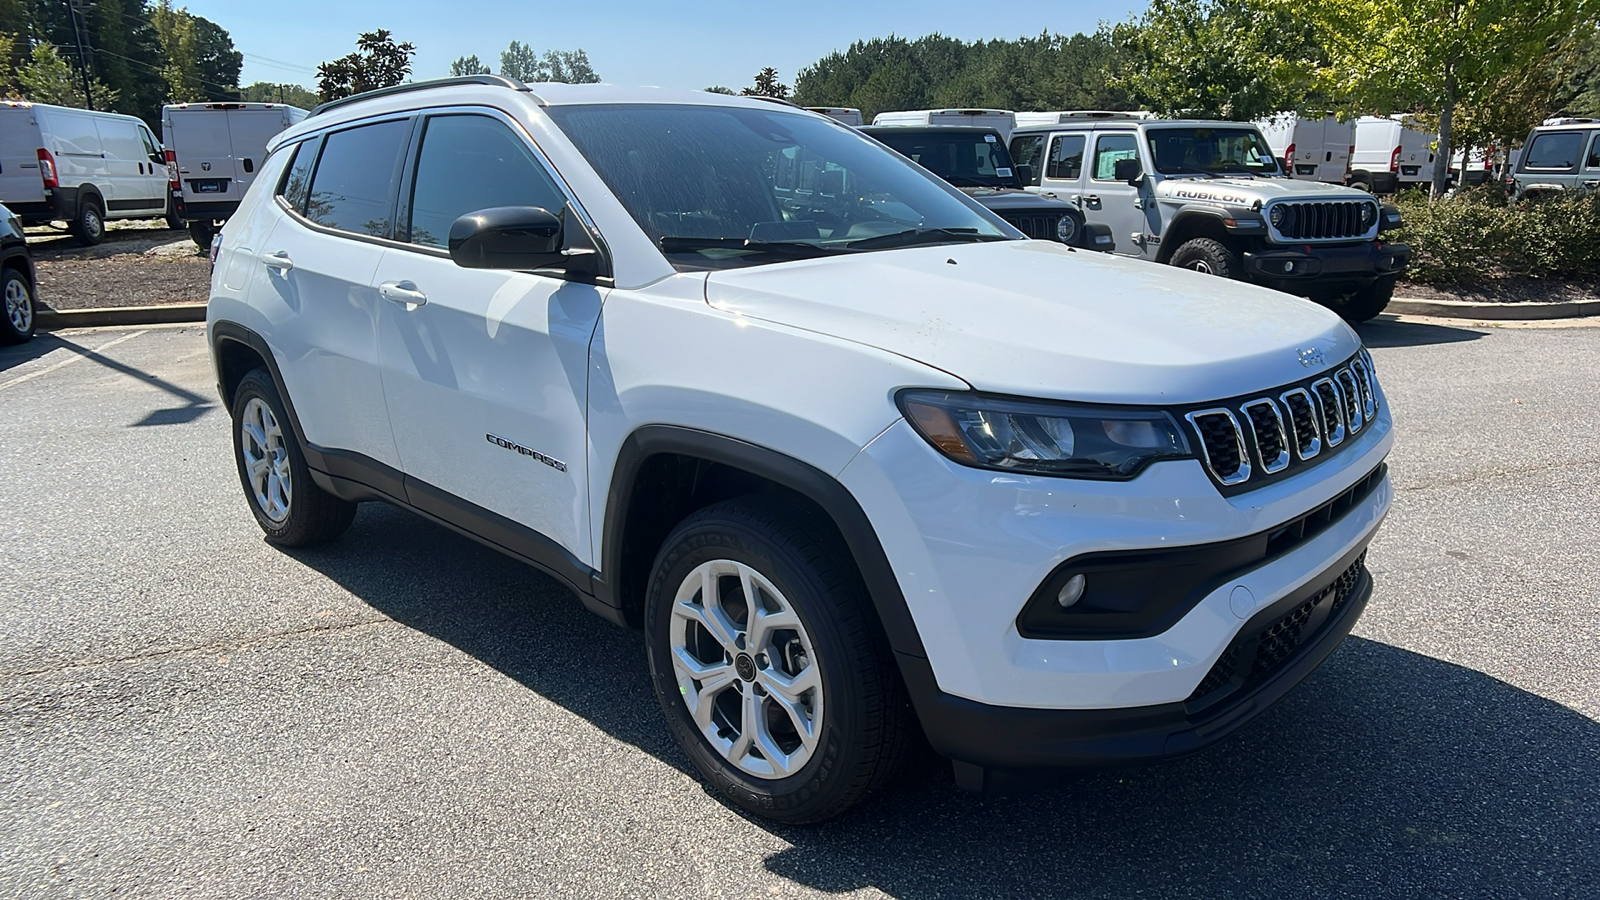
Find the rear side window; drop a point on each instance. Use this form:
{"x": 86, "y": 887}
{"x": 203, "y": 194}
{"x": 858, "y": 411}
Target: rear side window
{"x": 1110, "y": 148}
{"x": 296, "y": 185}
{"x": 352, "y": 187}
{"x": 1066, "y": 157}
{"x": 1593, "y": 161}
{"x": 469, "y": 163}
{"x": 1025, "y": 151}
{"x": 1554, "y": 150}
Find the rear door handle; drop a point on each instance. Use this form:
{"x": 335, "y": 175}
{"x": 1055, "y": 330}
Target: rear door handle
{"x": 279, "y": 261}
{"x": 403, "y": 292}
{"x": 1092, "y": 199}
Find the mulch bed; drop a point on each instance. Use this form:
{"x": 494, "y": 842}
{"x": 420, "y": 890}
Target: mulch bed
{"x": 1502, "y": 290}
{"x": 134, "y": 266}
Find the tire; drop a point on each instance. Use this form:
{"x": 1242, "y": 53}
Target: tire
{"x": 175, "y": 222}
{"x": 288, "y": 505}
{"x": 17, "y": 316}
{"x": 1205, "y": 255}
{"x": 202, "y": 232}
{"x": 830, "y": 641}
{"x": 1361, "y": 186}
{"x": 89, "y": 224}
{"x": 1366, "y": 303}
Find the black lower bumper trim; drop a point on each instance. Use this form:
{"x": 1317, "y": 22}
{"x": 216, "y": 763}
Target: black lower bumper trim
{"x": 1014, "y": 738}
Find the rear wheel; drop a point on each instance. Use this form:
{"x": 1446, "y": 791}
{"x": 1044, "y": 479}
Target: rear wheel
{"x": 771, "y": 672}
{"x": 1365, "y": 303}
{"x": 89, "y": 225}
{"x": 16, "y": 325}
{"x": 287, "y": 504}
{"x": 1205, "y": 255}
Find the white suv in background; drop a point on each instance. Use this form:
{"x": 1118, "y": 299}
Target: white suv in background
{"x": 856, "y": 456}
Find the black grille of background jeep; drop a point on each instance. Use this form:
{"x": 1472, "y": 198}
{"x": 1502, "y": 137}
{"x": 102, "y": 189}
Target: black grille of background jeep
{"x": 1039, "y": 226}
{"x": 1247, "y": 441}
{"x": 1324, "y": 220}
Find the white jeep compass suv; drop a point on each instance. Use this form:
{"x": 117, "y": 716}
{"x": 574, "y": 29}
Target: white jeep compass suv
{"x": 855, "y": 455}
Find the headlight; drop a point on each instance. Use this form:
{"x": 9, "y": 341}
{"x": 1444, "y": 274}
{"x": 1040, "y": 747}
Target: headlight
{"x": 1042, "y": 437}
{"x": 1277, "y": 216}
{"x": 1067, "y": 230}
{"x": 1369, "y": 214}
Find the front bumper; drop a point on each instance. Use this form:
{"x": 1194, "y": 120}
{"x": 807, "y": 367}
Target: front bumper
{"x": 1308, "y": 269}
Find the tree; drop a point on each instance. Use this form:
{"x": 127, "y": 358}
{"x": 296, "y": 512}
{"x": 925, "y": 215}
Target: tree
{"x": 179, "y": 43}
{"x": 1435, "y": 57}
{"x": 468, "y": 65}
{"x": 767, "y": 85}
{"x": 519, "y": 61}
{"x": 719, "y": 89}
{"x": 49, "y": 78}
{"x": 378, "y": 62}
{"x": 1223, "y": 59}
{"x": 268, "y": 92}
{"x": 217, "y": 59}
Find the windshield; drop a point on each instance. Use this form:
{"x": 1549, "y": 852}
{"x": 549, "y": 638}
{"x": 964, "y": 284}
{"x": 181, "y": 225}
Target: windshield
{"x": 1210, "y": 151}
{"x": 973, "y": 158}
{"x": 721, "y": 186}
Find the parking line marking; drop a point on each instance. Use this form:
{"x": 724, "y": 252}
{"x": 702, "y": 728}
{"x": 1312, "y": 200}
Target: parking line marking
{"x": 76, "y": 357}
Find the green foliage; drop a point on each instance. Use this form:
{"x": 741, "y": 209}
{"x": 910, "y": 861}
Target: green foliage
{"x": 1579, "y": 74}
{"x": 767, "y": 85}
{"x": 468, "y": 65}
{"x": 521, "y": 62}
{"x": 1223, "y": 59}
{"x": 719, "y": 89}
{"x": 1478, "y": 235}
{"x": 378, "y": 62}
{"x": 268, "y": 92}
{"x": 1044, "y": 72}
{"x": 179, "y": 41}
{"x": 49, "y": 78}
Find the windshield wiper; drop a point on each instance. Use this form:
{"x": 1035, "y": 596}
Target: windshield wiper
{"x": 964, "y": 181}
{"x": 674, "y": 244}
{"x": 915, "y": 236}
{"x": 1185, "y": 170}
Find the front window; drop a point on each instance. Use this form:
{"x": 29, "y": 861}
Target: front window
{"x": 964, "y": 158}
{"x": 724, "y": 186}
{"x": 1210, "y": 151}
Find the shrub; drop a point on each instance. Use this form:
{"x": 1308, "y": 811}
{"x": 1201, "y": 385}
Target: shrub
{"x": 1479, "y": 234}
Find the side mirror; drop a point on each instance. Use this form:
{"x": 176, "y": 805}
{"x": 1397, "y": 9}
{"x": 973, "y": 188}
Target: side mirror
{"x": 515, "y": 237}
{"x": 1025, "y": 173}
{"x": 1098, "y": 237}
{"x": 1128, "y": 170}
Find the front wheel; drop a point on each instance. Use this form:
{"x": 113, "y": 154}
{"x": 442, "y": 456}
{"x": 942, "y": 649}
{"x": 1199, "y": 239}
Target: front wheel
{"x": 1205, "y": 255}
{"x": 768, "y": 665}
{"x": 287, "y": 504}
{"x": 202, "y": 232}
{"x": 1366, "y": 303}
{"x": 16, "y": 325}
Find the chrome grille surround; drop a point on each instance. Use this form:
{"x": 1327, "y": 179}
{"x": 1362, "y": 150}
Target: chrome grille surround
{"x": 1249, "y": 441}
{"x": 1310, "y": 221}
{"x": 1279, "y": 437}
{"x": 1216, "y": 466}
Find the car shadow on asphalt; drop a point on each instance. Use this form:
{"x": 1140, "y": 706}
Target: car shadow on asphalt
{"x": 1387, "y": 773}
{"x": 1387, "y": 331}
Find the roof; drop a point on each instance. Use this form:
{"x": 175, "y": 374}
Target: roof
{"x": 1090, "y": 124}
{"x": 888, "y": 128}
{"x": 552, "y": 93}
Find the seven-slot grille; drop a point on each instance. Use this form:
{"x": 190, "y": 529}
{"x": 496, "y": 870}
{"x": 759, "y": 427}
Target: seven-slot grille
{"x": 1245, "y": 440}
{"x": 1324, "y": 220}
{"x": 1039, "y": 226}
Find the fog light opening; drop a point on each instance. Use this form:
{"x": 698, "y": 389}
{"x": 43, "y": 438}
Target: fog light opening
{"x": 1072, "y": 591}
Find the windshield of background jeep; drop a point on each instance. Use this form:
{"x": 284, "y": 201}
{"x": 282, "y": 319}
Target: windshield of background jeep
{"x": 975, "y": 159}
{"x": 724, "y": 186}
{"x": 1210, "y": 151}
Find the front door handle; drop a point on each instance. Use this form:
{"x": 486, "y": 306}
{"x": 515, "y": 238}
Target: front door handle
{"x": 279, "y": 261}
{"x": 403, "y": 292}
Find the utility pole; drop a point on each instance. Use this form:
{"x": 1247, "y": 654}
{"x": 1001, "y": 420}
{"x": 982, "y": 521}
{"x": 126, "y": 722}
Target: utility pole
{"x": 80, "y": 37}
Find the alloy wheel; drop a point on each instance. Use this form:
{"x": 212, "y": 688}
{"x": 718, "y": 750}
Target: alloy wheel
{"x": 266, "y": 460}
{"x": 19, "y": 306}
{"x": 746, "y": 669}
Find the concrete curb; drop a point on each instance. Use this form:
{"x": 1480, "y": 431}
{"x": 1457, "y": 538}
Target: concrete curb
{"x": 1461, "y": 309}
{"x": 55, "y": 319}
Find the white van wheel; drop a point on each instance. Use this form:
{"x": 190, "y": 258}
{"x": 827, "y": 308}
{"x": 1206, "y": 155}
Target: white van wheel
{"x": 89, "y": 226}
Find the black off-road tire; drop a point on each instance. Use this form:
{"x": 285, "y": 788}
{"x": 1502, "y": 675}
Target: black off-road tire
{"x": 314, "y": 515}
{"x": 867, "y": 721}
{"x": 89, "y": 223}
{"x": 1366, "y": 303}
{"x": 1206, "y": 255}
{"x": 12, "y": 280}
{"x": 202, "y": 232}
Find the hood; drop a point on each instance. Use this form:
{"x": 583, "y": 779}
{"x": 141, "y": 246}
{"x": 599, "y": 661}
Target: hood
{"x": 1008, "y": 199}
{"x": 1248, "y": 192}
{"x": 1036, "y": 319}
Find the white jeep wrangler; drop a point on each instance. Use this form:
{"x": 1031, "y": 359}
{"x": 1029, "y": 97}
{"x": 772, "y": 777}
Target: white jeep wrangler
{"x": 855, "y": 455}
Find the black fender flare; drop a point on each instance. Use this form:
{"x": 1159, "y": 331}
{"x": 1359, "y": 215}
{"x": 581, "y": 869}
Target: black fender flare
{"x": 826, "y": 492}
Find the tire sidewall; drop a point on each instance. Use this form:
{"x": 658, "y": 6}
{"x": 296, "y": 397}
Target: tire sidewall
{"x": 823, "y": 775}
{"x": 1211, "y": 252}
{"x": 91, "y": 221}
{"x": 8, "y": 333}
{"x": 257, "y": 385}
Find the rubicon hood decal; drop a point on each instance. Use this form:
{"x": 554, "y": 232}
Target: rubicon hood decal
{"x": 1035, "y": 319}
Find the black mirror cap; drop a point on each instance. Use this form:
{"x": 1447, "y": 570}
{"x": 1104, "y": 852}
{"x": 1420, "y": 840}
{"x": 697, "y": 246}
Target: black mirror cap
{"x": 1025, "y": 173}
{"x": 508, "y": 237}
{"x": 1129, "y": 170}
{"x": 1098, "y": 237}
{"x": 1388, "y": 217}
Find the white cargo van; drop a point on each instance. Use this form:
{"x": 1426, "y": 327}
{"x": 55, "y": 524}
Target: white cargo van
{"x": 79, "y": 167}
{"x": 1392, "y": 153}
{"x": 1001, "y": 120}
{"x": 849, "y": 115}
{"x": 1312, "y": 148}
{"x": 213, "y": 152}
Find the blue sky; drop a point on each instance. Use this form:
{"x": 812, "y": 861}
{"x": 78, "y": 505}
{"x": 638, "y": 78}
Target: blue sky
{"x": 672, "y": 44}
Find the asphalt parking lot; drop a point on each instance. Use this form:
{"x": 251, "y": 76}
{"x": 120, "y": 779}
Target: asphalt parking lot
{"x": 186, "y": 710}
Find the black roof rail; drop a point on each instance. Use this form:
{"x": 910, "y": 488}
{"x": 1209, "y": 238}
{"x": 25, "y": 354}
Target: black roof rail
{"x": 491, "y": 80}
